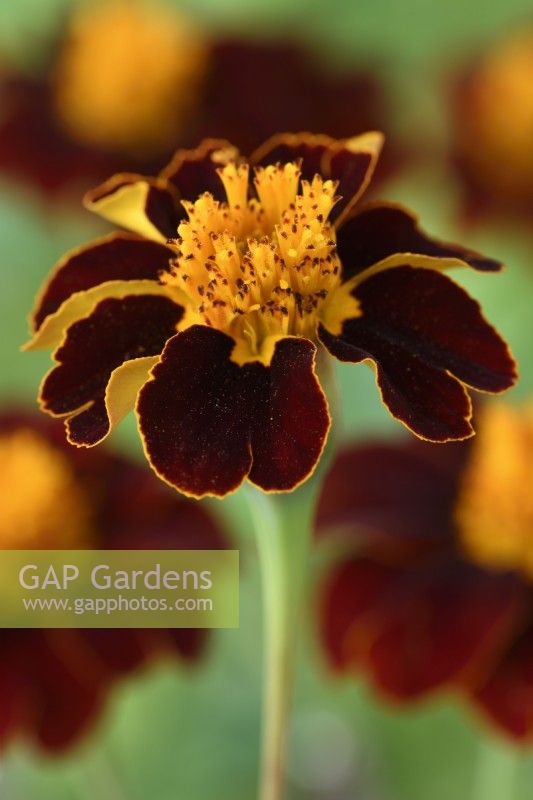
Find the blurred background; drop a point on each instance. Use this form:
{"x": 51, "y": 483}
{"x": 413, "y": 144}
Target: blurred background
{"x": 426, "y": 74}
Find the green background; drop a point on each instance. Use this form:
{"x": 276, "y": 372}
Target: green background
{"x": 176, "y": 734}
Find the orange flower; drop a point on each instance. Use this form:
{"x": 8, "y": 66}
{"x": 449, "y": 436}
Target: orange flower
{"x": 492, "y": 120}
{"x": 433, "y": 590}
{"x": 130, "y": 80}
{"x": 54, "y": 683}
{"x": 208, "y": 316}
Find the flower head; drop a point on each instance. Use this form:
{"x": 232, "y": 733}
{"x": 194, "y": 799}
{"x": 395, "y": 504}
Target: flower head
{"x": 53, "y": 683}
{"x": 209, "y": 314}
{"x": 492, "y": 116}
{"x": 434, "y": 586}
{"x": 126, "y": 81}
{"x": 127, "y": 77}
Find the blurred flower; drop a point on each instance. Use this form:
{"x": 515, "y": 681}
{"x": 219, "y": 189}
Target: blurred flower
{"x": 217, "y": 330}
{"x": 492, "y": 128}
{"x": 434, "y": 587}
{"x": 53, "y": 683}
{"x": 129, "y": 81}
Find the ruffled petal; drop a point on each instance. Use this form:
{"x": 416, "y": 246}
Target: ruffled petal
{"x": 119, "y": 256}
{"x": 81, "y": 304}
{"x": 208, "y": 423}
{"x": 147, "y": 206}
{"x": 117, "y": 331}
{"x": 414, "y": 630}
{"x": 426, "y": 337}
{"x": 351, "y": 162}
{"x": 394, "y": 499}
{"x": 506, "y": 694}
{"x": 63, "y": 687}
{"x": 193, "y": 172}
{"x": 387, "y": 231}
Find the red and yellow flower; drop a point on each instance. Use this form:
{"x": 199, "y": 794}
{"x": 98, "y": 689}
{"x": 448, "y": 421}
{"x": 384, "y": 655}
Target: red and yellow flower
{"x": 130, "y": 80}
{"x": 208, "y": 314}
{"x": 433, "y": 590}
{"x": 492, "y": 120}
{"x": 54, "y": 683}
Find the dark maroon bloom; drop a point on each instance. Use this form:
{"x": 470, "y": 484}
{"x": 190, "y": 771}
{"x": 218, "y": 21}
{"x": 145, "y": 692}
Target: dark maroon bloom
{"x": 269, "y": 259}
{"x": 54, "y": 683}
{"x": 75, "y": 124}
{"x": 433, "y": 590}
{"x": 491, "y": 120}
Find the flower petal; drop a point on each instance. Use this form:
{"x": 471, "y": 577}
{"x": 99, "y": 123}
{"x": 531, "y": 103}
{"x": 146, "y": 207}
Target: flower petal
{"x": 92, "y": 425}
{"x": 116, "y": 331}
{"x": 349, "y": 594}
{"x": 193, "y": 172}
{"x": 147, "y": 206}
{"x": 424, "y": 332}
{"x": 119, "y": 256}
{"x": 380, "y": 231}
{"x": 289, "y": 435}
{"x": 207, "y": 422}
{"x": 58, "y": 163}
{"x": 398, "y": 499}
{"x": 506, "y": 694}
{"x": 81, "y": 304}
{"x": 415, "y": 630}
{"x": 351, "y": 162}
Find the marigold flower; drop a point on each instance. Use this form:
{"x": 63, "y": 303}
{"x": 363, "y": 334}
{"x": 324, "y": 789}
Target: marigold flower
{"x": 54, "y": 683}
{"x": 208, "y": 316}
{"x": 433, "y": 590}
{"x": 129, "y": 81}
{"x": 492, "y": 118}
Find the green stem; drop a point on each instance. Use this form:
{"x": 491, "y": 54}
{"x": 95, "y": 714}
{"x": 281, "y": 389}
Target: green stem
{"x": 282, "y": 525}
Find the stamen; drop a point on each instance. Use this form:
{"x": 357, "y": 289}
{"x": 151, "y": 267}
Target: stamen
{"x": 259, "y": 267}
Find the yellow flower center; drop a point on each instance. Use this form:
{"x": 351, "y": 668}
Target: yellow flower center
{"x": 495, "y": 507}
{"x": 258, "y": 269}
{"x": 496, "y": 132}
{"x": 128, "y": 76}
{"x": 43, "y": 506}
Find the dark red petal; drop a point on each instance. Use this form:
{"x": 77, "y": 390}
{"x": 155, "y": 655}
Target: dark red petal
{"x": 321, "y": 154}
{"x": 10, "y": 689}
{"x": 285, "y": 147}
{"x": 190, "y": 643}
{"x": 422, "y": 628}
{"x": 290, "y": 426}
{"x": 161, "y": 207}
{"x": 142, "y": 513}
{"x": 381, "y": 230}
{"x": 351, "y": 591}
{"x": 421, "y": 329}
{"x": 352, "y": 170}
{"x": 116, "y": 331}
{"x": 64, "y": 687}
{"x": 56, "y": 162}
{"x": 119, "y": 256}
{"x": 208, "y": 422}
{"x": 194, "y": 172}
{"x": 117, "y": 651}
{"x": 435, "y": 628}
{"x": 298, "y": 90}
{"x": 394, "y": 498}
{"x": 428, "y": 401}
{"x": 507, "y": 694}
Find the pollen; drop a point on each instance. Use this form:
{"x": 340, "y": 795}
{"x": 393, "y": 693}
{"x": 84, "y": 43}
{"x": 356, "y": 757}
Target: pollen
{"x": 262, "y": 266}
{"x": 43, "y": 505}
{"x": 494, "y": 513}
{"x": 128, "y": 76}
